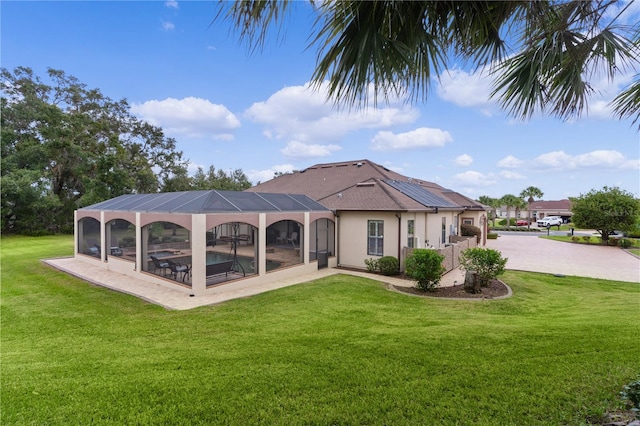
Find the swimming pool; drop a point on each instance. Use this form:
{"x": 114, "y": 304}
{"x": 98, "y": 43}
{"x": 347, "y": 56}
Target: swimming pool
{"x": 162, "y": 253}
{"x": 247, "y": 262}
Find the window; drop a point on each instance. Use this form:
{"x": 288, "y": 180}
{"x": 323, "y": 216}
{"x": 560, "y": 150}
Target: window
{"x": 375, "y": 239}
{"x": 410, "y": 231}
{"x": 444, "y": 230}
{"x": 467, "y": 221}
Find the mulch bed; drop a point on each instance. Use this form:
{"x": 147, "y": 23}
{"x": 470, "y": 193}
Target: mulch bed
{"x": 496, "y": 288}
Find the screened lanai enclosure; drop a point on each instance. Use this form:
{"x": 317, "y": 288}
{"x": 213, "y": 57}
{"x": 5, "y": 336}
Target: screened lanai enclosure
{"x": 197, "y": 240}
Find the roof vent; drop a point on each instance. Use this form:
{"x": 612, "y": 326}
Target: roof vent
{"x": 359, "y": 164}
{"x": 365, "y": 184}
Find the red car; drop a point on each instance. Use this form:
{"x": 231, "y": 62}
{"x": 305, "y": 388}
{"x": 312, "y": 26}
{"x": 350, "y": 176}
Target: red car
{"x": 522, "y": 222}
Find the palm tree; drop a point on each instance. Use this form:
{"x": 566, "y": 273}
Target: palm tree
{"x": 494, "y": 203}
{"x": 398, "y": 47}
{"x": 530, "y": 194}
{"x": 510, "y": 201}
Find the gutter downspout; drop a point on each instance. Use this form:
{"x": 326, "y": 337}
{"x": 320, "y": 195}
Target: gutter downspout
{"x": 399, "y": 237}
{"x": 337, "y": 236}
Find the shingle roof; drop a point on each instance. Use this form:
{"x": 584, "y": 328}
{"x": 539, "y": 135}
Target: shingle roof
{"x": 365, "y": 185}
{"x": 195, "y": 202}
{"x": 551, "y": 205}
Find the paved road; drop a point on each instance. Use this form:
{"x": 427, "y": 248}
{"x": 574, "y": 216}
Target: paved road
{"x": 529, "y": 253}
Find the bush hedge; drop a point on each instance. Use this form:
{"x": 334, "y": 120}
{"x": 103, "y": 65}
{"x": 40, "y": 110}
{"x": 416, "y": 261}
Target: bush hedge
{"x": 389, "y": 265}
{"x": 425, "y": 266}
{"x": 470, "y": 231}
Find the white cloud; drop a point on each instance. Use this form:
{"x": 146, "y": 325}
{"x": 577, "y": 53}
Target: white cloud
{"x": 506, "y": 174}
{"x": 599, "y": 158}
{"x": 554, "y": 159}
{"x": 466, "y": 89}
{"x": 168, "y": 26}
{"x": 510, "y": 162}
{"x": 295, "y": 149}
{"x": 303, "y": 114}
{"x": 191, "y": 117}
{"x": 603, "y": 159}
{"x": 256, "y": 176}
{"x": 463, "y": 160}
{"x": 422, "y": 137}
{"x": 474, "y": 179}
{"x": 631, "y": 164}
{"x": 171, "y": 4}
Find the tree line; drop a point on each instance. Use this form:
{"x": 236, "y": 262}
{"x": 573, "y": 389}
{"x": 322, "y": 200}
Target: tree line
{"x": 65, "y": 146}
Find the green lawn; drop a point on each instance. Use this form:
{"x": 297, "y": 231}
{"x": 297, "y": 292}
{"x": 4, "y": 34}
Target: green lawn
{"x": 341, "y": 350}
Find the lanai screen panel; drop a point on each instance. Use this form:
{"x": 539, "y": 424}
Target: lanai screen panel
{"x": 250, "y": 202}
{"x": 307, "y": 202}
{"x": 195, "y": 202}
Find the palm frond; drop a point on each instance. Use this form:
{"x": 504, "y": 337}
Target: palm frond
{"x": 627, "y": 103}
{"x": 565, "y": 48}
{"x": 253, "y": 18}
{"x": 384, "y": 44}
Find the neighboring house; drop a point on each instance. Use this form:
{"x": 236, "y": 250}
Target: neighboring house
{"x": 379, "y": 212}
{"x": 539, "y": 210}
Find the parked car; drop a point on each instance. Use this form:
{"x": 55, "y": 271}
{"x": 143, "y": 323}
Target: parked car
{"x": 522, "y": 222}
{"x": 550, "y": 221}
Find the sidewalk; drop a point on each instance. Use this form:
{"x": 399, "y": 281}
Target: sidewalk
{"x": 180, "y": 299}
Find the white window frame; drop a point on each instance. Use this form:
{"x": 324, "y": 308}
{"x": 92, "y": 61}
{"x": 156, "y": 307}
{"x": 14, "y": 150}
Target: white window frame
{"x": 375, "y": 237}
{"x": 411, "y": 229}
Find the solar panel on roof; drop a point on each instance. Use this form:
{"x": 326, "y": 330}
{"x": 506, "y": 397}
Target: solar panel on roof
{"x": 420, "y": 194}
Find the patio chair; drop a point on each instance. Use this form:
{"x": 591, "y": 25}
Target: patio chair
{"x": 293, "y": 238}
{"x": 157, "y": 264}
{"x": 178, "y": 268}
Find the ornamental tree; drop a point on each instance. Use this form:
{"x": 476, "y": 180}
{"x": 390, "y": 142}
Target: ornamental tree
{"x": 606, "y": 210}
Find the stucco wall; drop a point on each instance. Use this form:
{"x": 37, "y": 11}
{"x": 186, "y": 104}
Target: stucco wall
{"x": 451, "y": 253}
{"x": 353, "y": 236}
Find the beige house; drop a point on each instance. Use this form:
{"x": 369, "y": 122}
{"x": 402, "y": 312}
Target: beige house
{"x": 348, "y": 212}
{"x": 379, "y": 212}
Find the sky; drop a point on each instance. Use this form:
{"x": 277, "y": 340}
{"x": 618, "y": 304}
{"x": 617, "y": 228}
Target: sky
{"x": 232, "y": 108}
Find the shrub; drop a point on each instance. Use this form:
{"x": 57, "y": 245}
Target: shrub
{"x": 372, "y": 264}
{"x": 587, "y": 238}
{"x": 470, "y": 231}
{"x": 575, "y": 239}
{"x": 631, "y": 394}
{"x": 492, "y": 236}
{"x": 613, "y": 242}
{"x": 389, "y": 265}
{"x": 425, "y": 266}
{"x": 625, "y": 243}
{"x": 503, "y": 222}
{"x": 487, "y": 263}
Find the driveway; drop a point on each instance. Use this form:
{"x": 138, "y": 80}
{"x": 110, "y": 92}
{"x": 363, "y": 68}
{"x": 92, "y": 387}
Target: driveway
{"x": 530, "y": 253}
